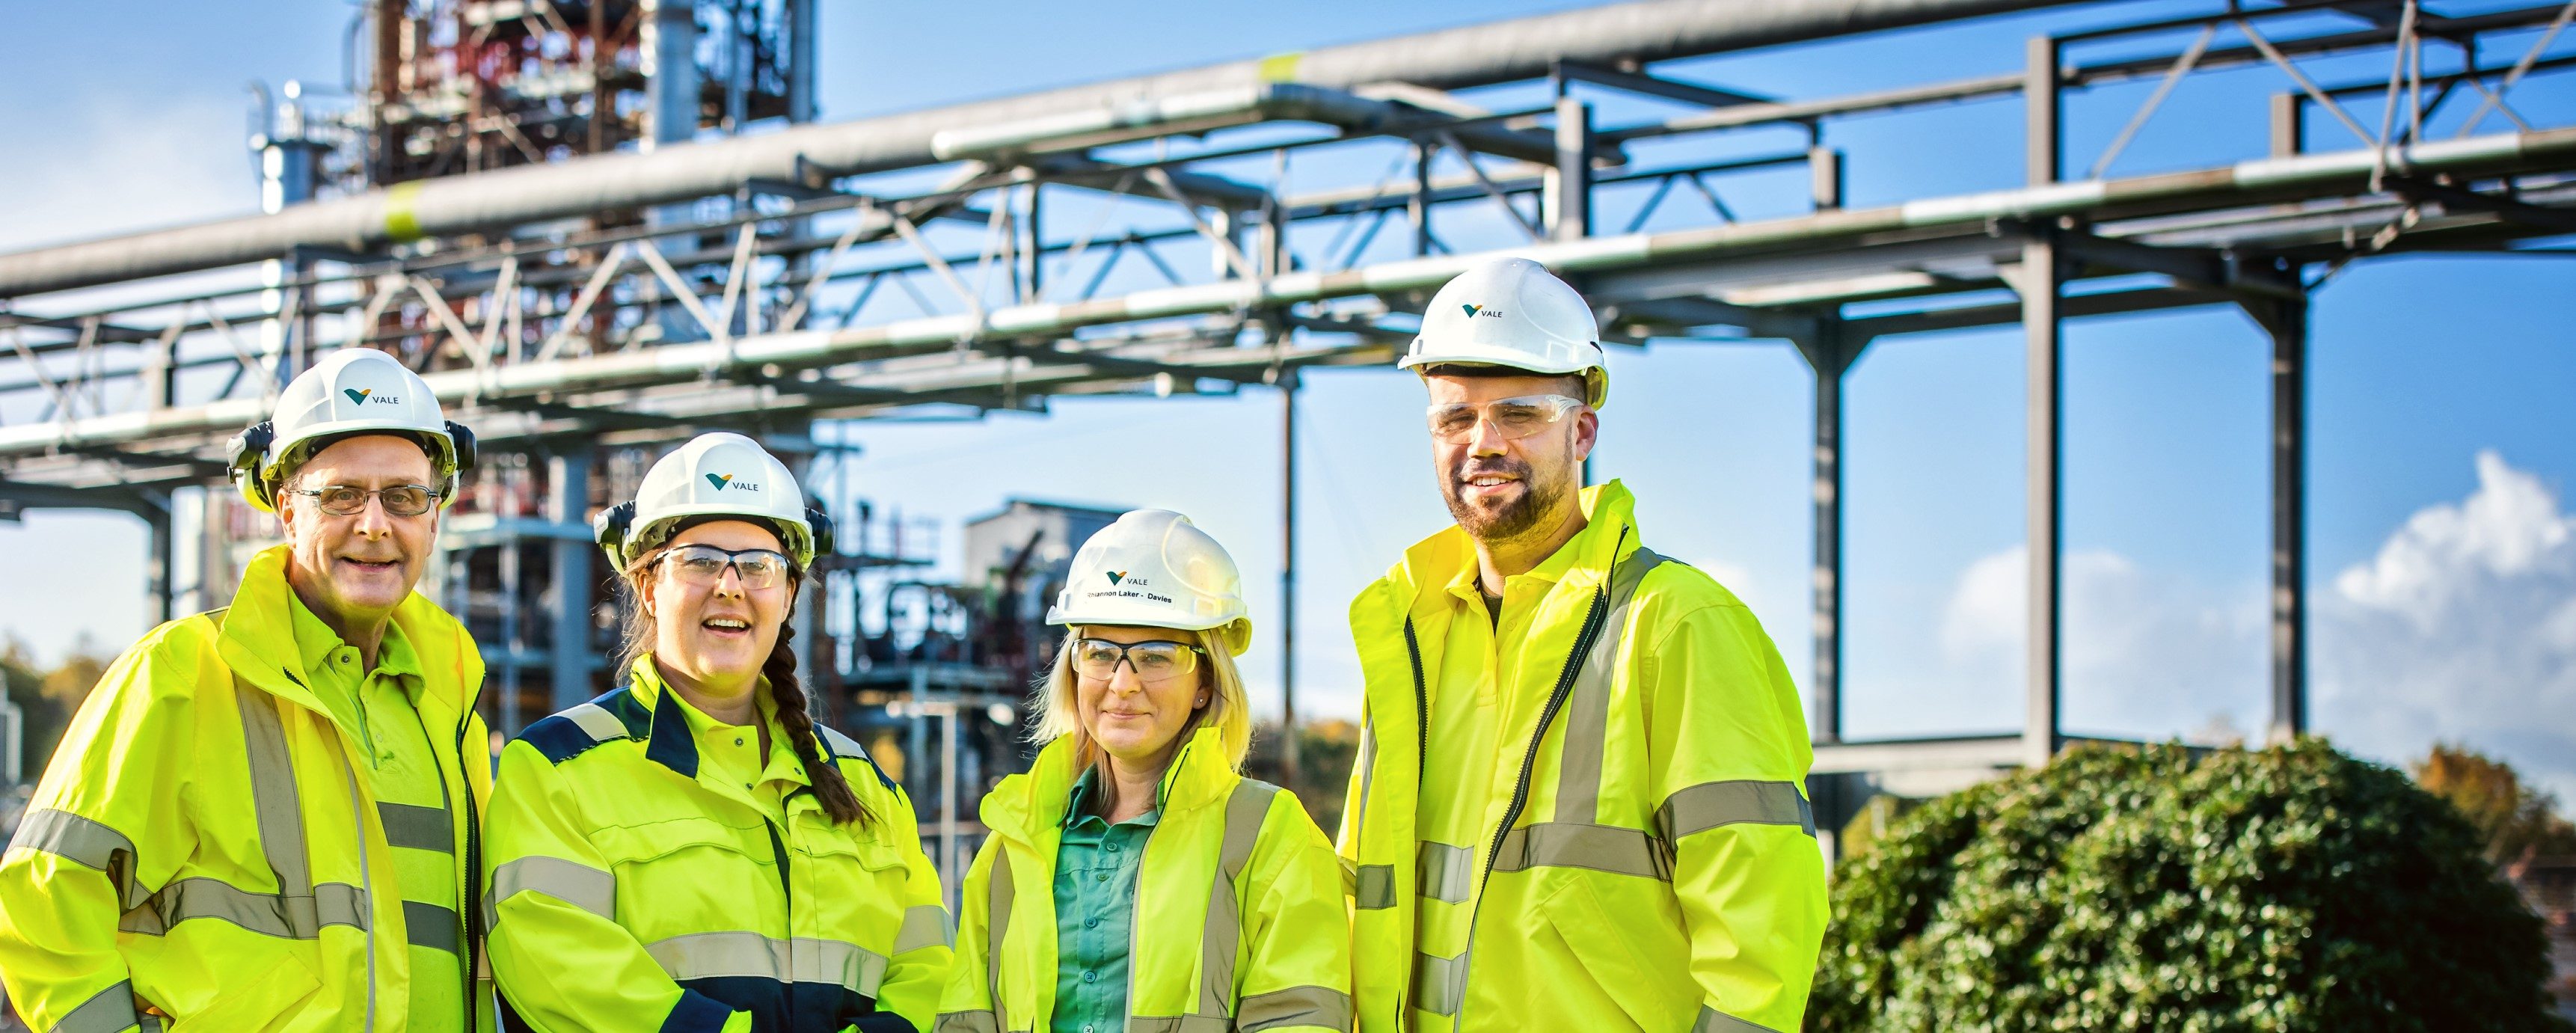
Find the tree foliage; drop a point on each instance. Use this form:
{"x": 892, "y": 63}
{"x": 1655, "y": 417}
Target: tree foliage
{"x": 2516, "y": 821}
{"x": 2148, "y": 889}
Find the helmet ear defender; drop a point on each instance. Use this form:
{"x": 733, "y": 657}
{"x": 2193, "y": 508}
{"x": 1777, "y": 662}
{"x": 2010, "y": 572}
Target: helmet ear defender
{"x": 463, "y": 440}
{"x": 245, "y": 451}
{"x": 821, "y": 522}
{"x": 609, "y": 529}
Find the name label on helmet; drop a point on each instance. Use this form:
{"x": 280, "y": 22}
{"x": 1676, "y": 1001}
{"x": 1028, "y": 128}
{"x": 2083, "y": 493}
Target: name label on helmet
{"x": 722, "y": 481}
{"x": 362, "y": 396}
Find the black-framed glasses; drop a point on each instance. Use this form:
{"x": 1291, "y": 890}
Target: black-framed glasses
{"x": 402, "y": 500}
{"x": 1154, "y": 662}
{"x": 705, "y": 565}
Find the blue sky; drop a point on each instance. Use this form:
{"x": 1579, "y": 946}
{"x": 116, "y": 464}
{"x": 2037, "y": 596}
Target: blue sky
{"x": 2445, "y": 589}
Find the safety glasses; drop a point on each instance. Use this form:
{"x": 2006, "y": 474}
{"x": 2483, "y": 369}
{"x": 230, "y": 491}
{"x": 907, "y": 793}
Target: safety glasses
{"x": 1515, "y": 418}
{"x": 402, "y": 500}
{"x": 1154, "y": 662}
{"x": 705, "y": 565}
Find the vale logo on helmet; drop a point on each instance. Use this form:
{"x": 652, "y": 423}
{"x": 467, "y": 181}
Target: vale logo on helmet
{"x": 363, "y": 395}
{"x": 1129, "y": 585}
{"x": 1486, "y": 311}
{"x": 721, "y": 481}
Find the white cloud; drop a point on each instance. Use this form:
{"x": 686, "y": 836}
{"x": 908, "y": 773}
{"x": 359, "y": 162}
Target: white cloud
{"x": 2147, "y": 655}
{"x": 2509, "y": 529}
{"x": 2462, "y": 627}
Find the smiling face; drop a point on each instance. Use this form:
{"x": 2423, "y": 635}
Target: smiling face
{"x": 353, "y": 570}
{"x": 715, "y": 636}
{"x": 1500, "y": 489}
{"x": 1138, "y": 723}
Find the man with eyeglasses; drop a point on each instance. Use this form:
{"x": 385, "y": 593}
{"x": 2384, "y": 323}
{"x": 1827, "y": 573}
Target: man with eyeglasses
{"x": 1579, "y": 799}
{"x": 266, "y": 816}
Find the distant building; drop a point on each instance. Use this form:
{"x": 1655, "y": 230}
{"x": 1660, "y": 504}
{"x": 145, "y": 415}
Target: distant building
{"x": 2548, "y": 884}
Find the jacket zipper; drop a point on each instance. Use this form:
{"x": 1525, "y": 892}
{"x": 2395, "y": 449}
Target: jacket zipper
{"x": 786, "y": 887}
{"x": 1593, "y": 619}
{"x": 1421, "y": 709}
{"x": 472, "y": 905}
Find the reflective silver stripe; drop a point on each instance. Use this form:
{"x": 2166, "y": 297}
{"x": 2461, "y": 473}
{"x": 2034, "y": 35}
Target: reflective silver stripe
{"x": 1445, "y": 873}
{"x": 70, "y": 837}
{"x": 925, "y": 926}
{"x": 430, "y": 926}
{"x": 965, "y": 1022}
{"x": 272, "y": 788}
{"x": 1587, "y": 710}
{"x": 1178, "y": 1024}
{"x": 1245, "y": 810}
{"x": 1712, "y": 1020}
{"x": 843, "y": 747}
{"x": 1000, "y": 921}
{"x": 597, "y": 721}
{"x": 1295, "y": 1006}
{"x": 751, "y": 955}
{"x": 1439, "y": 984}
{"x": 269, "y": 914}
{"x": 1602, "y": 848}
{"x": 417, "y": 827}
{"x": 1374, "y": 888}
{"x": 107, "y": 1011}
{"x": 579, "y": 885}
{"x": 1708, "y": 805}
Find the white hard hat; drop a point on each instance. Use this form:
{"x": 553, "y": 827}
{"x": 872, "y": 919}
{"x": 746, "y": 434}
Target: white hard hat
{"x": 713, "y": 475}
{"x": 351, "y": 391}
{"x": 1512, "y": 312}
{"x": 1155, "y": 569}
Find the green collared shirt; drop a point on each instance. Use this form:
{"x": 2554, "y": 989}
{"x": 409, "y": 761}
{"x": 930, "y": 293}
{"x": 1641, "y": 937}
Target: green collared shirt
{"x": 1095, "y": 909}
{"x": 379, "y": 710}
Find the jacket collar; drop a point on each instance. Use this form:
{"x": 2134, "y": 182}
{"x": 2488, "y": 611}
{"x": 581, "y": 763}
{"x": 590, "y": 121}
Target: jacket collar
{"x": 667, "y": 741}
{"x": 1023, "y": 804}
{"x": 1422, "y": 579}
{"x": 258, "y": 642}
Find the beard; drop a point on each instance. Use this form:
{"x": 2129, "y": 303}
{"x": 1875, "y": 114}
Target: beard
{"x": 1501, "y": 522}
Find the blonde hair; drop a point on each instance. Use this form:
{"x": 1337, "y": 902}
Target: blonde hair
{"x": 1059, "y": 715}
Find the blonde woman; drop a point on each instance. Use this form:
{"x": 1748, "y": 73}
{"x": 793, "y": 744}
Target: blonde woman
{"x": 692, "y": 851}
{"x": 1134, "y": 880}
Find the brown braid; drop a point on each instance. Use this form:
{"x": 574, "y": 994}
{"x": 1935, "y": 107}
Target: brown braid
{"x": 830, "y": 788}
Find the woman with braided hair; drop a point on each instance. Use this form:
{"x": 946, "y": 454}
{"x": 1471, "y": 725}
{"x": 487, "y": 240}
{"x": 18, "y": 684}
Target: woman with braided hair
{"x": 693, "y": 851}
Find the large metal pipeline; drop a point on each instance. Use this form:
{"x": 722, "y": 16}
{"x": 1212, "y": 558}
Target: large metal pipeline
{"x": 2262, "y": 180}
{"x": 1477, "y": 55}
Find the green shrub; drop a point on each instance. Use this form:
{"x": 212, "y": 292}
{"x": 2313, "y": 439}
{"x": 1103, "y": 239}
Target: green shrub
{"x": 2139, "y": 888}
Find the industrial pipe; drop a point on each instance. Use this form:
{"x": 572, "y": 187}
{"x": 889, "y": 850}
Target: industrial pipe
{"x": 1477, "y": 55}
{"x": 2257, "y": 181}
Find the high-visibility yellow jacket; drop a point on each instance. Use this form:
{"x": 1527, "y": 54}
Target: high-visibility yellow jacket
{"x": 634, "y": 890}
{"x": 203, "y": 847}
{"x": 1239, "y": 923}
{"x": 1649, "y": 858}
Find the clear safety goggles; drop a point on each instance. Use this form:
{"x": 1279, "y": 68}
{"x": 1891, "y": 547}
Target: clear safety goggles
{"x": 402, "y": 500}
{"x": 704, "y": 565}
{"x": 1516, "y": 418}
{"x": 1154, "y": 662}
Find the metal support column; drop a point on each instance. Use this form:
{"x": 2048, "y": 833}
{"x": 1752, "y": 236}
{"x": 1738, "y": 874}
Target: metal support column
{"x": 1567, "y": 191}
{"x": 2041, "y": 281}
{"x": 568, "y": 503}
{"x": 1829, "y": 354}
{"x": 161, "y": 562}
{"x": 1418, "y": 210}
{"x": 2286, "y": 321}
{"x": 802, "y": 32}
{"x": 1289, "y": 761}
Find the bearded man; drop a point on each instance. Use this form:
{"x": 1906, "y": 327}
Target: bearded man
{"x": 1579, "y": 797}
